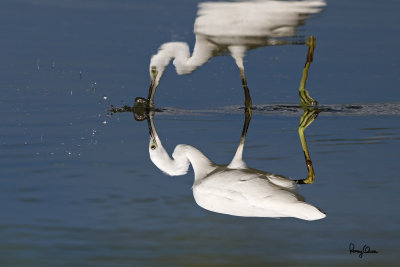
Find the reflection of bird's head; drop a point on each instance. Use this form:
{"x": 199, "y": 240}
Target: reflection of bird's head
{"x": 159, "y": 156}
{"x": 153, "y": 144}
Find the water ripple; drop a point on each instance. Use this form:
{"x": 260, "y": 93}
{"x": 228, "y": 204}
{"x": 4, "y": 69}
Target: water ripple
{"x": 372, "y": 109}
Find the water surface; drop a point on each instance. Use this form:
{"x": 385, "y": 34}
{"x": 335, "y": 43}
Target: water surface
{"x": 77, "y": 185}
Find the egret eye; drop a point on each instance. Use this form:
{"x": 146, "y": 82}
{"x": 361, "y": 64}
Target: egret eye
{"x": 153, "y": 146}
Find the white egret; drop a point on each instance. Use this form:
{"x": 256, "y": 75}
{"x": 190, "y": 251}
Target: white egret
{"x": 233, "y": 27}
{"x": 236, "y": 189}
{"x": 233, "y": 189}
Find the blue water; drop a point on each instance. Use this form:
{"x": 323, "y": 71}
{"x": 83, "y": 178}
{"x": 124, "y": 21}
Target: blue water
{"x": 77, "y": 186}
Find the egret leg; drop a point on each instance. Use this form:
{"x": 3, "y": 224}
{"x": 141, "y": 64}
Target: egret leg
{"x": 247, "y": 97}
{"x": 305, "y": 98}
{"x": 237, "y": 161}
{"x": 310, "y": 113}
{"x": 238, "y": 53}
{"x": 306, "y": 119}
{"x": 246, "y": 124}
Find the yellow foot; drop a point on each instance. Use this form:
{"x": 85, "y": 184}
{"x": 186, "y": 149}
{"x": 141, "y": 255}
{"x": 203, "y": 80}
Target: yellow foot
{"x": 308, "y": 180}
{"x": 306, "y": 100}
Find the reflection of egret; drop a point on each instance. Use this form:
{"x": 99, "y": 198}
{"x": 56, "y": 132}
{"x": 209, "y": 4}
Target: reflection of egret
{"x": 236, "y": 189}
{"x": 233, "y": 27}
